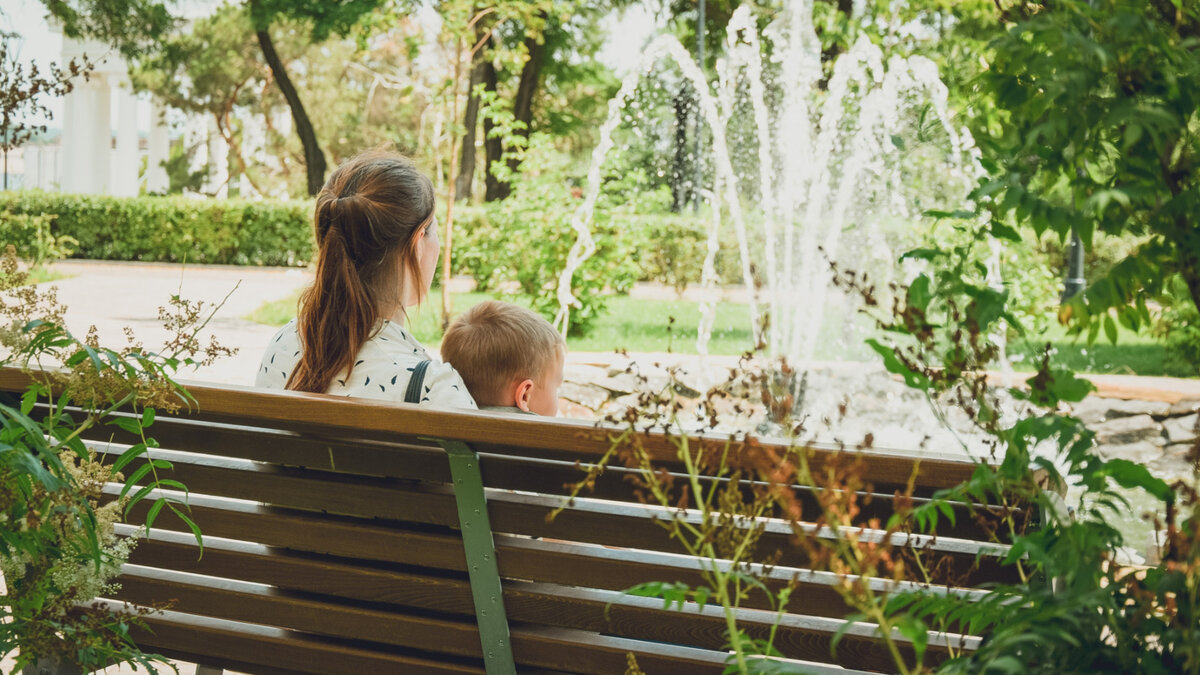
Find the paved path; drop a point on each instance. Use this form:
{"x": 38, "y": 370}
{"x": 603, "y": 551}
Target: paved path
{"x": 112, "y": 295}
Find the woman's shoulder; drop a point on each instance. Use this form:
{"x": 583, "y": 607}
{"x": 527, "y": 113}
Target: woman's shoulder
{"x": 279, "y": 358}
{"x": 385, "y": 365}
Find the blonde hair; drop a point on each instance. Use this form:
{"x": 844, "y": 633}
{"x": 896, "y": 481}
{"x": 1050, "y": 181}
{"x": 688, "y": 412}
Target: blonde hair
{"x": 495, "y": 343}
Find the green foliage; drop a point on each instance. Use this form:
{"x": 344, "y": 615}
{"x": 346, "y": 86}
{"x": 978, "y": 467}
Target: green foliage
{"x": 31, "y": 233}
{"x": 172, "y": 229}
{"x": 134, "y": 27}
{"x": 1097, "y": 133}
{"x": 1179, "y": 325}
{"x": 58, "y": 544}
{"x": 526, "y": 238}
{"x": 1076, "y": 609}
{"x": 180, "y": 177}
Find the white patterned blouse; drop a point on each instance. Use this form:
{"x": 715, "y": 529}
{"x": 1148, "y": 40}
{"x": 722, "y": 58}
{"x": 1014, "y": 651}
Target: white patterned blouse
{"x": 381, "y": 370}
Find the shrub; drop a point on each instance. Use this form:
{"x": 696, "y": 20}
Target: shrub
{"x": 31, "y": 234}
{"x": 526, "y": 238}
{"x": 168, "y": 229}
{"x": 59, "y": 548}
{"x": 1179, "y": 323}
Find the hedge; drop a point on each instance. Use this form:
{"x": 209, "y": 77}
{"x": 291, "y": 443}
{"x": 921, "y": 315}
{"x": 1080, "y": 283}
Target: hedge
{"x": 170, "y": 229}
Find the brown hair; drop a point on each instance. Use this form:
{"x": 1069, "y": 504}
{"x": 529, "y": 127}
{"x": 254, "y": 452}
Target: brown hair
{"x": 367, "y": 218}
{"x": 494, "y": 343}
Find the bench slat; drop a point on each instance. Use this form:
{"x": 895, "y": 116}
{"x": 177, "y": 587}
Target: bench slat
{"x": 598, "y": 611}
{"x": 593, "y": 521}
{"x": 427, "y": 462}
{"x": 545, "y": 437}
{"x": 256, "y": 649}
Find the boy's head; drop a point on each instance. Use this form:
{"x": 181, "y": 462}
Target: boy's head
{"x": 508, "y": 356}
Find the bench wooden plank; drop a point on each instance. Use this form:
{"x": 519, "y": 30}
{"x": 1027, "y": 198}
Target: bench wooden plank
{"x": 563, "y": 439}
{"x": 427, "y": 462}
{"x": 261, "y": 649}
{"x": 594, "y": 521}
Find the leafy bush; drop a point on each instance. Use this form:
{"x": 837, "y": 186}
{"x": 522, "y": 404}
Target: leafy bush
{"x": 1179, "y": 323}
{"x": 168, "y": 229}
{"x": 58, "y": 545}
{"x": 31, "y": 233}
{"x": 526, "y": 239}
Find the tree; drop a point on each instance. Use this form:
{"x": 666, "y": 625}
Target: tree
{"x": 1099, "y": 132}
{"x": 208, "y": 69}
{"x": 20, "y": 92}
{"x": 329, "y": 17}
{"x": 136, "y": 28}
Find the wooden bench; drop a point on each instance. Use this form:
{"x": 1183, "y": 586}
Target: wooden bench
{"x": 345, "y": 536}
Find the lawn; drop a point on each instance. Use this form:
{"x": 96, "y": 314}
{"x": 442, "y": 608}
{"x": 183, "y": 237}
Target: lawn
{"x": 637, "y": 325}
{"x": 641, "y": 325}
{"x": 1133, "y": 354}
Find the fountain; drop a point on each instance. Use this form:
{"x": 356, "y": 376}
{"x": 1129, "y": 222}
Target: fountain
{"x": 832, "y": 154}
{"x": 828, "y": 157}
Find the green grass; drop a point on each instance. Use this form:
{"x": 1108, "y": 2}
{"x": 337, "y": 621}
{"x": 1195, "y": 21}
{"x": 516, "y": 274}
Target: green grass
{"x": 636, "y": 325}
{"x": 42, "y": 275}
{"x": 640, "y": 325}
{"x": 1135, "y": 353}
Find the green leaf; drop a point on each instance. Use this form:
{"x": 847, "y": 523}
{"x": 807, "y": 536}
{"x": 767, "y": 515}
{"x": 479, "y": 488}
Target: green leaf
{"x": 147, "y": 417}
{"x": 152, "y": 513}
{"x": 1110, "y": 328}
{"x": 916, "y": 632}
{"x": 128, "y": 456}
{"x": 138, "y": 496}
{"x": 894, "y": 365}
{"x": 129, "y": 424}
{"x": 918, "y": 292}
{"x": 1001, "y": 231}
{"x": 133, "y": 479}
{"x": 1128, "y": 474}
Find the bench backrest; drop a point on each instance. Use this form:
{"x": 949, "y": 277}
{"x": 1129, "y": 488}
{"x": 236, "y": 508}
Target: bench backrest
{"x": 334, "y": 542}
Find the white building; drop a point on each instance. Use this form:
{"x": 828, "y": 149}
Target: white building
{"x": 93, "y": 157}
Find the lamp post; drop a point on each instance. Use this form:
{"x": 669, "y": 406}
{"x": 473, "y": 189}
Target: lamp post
{"x": 1075, "y": 281}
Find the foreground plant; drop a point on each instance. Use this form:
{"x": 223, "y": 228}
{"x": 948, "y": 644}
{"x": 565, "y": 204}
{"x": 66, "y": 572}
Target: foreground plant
{"x": 724, "y": 489}
{"x": 58, "y": 548}
{"x": 1077, "y": 607}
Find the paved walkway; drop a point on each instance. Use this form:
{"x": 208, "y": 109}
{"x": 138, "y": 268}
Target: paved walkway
{"x": 112, "y": 295}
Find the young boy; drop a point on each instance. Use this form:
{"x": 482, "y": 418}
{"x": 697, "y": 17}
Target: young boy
{"x": 510, "y": 358}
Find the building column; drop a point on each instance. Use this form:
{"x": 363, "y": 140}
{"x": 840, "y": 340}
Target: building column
{"x": 157, "y": 181}
{"x": 100, "y": 138}
{"x": 124, "y": 181}
{"x": 75, "y": 141}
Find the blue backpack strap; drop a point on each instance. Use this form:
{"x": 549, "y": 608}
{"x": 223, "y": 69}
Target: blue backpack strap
{"x": 413, "y": 394}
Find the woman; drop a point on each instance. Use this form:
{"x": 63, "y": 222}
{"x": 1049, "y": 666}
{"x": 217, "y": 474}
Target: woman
{"x": 377, "y": 252}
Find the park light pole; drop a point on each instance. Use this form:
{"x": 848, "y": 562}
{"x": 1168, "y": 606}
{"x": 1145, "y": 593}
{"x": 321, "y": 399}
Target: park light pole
{"x": 1075, "y": 281}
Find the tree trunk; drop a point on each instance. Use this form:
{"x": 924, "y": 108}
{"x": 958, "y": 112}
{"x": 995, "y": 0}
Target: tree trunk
{"x": 1189, "y": 267}
{"x": 531, "y": 77}
{"x": 680, "y": 194}
{"x": 314, "y": 159}
{"x": 492, "y": 148}
{"x": 466, "y": 172}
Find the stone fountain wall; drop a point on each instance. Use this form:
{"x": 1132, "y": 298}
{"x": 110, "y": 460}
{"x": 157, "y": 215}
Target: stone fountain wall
{"x": 845, "y": 401}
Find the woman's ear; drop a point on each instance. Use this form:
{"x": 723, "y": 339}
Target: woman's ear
{"x": 523, "y": 393}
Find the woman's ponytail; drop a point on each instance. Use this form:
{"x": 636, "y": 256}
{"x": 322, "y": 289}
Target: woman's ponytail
{"x": 365, "y": 219}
